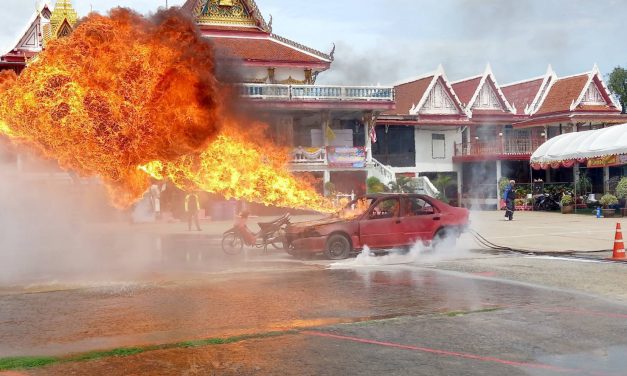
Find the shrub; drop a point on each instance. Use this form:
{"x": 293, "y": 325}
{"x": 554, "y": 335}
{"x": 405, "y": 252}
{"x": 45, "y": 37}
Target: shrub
{"x": 608, "y": 200}
{"x": 374, "y": 185}
{"x": 621, "y": 188}
{"x": 329, "y": 188}
{"x": 503, "y": 182}
{"x": 584, "y": 184}
{"x": 566, "y": 200}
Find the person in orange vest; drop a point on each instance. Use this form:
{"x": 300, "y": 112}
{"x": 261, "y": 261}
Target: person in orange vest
{"x": 192, "y": 207}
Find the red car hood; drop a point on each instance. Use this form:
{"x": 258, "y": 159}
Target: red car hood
{"x": 301, "y": 226}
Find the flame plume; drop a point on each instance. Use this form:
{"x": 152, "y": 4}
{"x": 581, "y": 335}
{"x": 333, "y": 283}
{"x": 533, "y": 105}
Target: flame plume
{"x": 125, "y": 97}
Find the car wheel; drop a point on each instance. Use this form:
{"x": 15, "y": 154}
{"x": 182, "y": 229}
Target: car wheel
{"x": 338, "y": 247}
{"x": 445, "y": 238}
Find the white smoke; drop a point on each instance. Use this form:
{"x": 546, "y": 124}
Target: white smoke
{"x": 451, "y": 248}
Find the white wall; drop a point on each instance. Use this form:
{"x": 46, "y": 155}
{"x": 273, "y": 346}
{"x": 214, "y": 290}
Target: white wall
{"x": 424, "y": 158}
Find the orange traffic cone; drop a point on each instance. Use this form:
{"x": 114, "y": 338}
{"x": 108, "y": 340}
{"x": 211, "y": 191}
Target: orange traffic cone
{"x": 619, "y": 246}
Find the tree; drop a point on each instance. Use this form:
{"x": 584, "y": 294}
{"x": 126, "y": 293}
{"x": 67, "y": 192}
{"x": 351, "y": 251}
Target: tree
{"x": 403, "y": 184}
{"x": 617, "y": 83}
{"x": 441, "y": 182}
{"x": 375, "y": 185}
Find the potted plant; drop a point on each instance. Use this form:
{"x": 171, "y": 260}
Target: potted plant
{"x": 621, "y": 194}
{"x": 567, "y": 204}
{"x": 607, "y": 201}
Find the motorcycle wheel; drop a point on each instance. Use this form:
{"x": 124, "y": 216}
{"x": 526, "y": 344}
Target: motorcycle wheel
{"x": 232, "y": 244}
{"x": 278, "y": 239}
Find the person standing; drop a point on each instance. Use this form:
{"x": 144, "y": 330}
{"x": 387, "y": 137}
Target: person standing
{"x": 192, "y": 207}
{"x": 509, "y": 196}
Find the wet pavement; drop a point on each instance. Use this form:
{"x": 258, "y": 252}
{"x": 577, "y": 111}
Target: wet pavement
{"x": 387, "y": 315}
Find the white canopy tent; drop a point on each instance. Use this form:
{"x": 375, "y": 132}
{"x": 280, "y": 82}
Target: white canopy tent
{"x": 579, "y": 146}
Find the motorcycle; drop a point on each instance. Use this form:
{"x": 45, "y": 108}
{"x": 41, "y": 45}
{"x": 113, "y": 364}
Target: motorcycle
{"x": 270, "y": 233}
{"x": 546, "y": 202}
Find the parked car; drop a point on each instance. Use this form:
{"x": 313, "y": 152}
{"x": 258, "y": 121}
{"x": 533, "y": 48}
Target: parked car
{"x": 380, "y": 221}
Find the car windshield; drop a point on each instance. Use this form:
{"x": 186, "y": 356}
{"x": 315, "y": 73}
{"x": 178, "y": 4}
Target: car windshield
{"x": 355, "y": 208}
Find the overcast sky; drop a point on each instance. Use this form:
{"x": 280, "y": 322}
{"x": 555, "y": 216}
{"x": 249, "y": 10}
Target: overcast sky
{"x": 385, "y": 41}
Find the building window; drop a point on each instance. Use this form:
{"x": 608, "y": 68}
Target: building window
{"x": 438, "y": 146}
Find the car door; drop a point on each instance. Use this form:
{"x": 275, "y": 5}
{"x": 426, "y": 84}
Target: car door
{"x": 382, "y": 227}
{"x": 420, "y": 219}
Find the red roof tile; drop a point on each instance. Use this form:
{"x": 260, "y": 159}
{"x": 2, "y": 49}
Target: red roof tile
{"x": 522, "y": 94}
{"x": 466, "y": 89}
{"x": 266, "y": 50}
{"x": 593, "y": 108}
{"x": 409, "y": 94}
{"x": 562, "y": 94}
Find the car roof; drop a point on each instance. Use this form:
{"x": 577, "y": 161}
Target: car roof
{"x": 387, "y": 194}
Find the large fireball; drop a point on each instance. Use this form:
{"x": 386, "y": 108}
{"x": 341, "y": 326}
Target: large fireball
{"x": 124, "y": 92}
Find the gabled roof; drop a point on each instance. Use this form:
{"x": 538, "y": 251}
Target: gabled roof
{"x": 238, "y": 29}
{"x": 521, "y": 94}
{"x": 566, "y": 94}
{"x": 411, "y": 96}
{"x": 469, "y": 89}
{"x": 30, "y": 41}
{"x": 266, "y": 49}
{"x": 466, "y": 88}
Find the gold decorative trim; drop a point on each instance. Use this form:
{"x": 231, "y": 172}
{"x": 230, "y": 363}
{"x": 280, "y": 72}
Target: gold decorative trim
{"x": 292, "y": 81}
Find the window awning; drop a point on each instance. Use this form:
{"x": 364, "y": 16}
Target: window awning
{"x": 580, "y": 146}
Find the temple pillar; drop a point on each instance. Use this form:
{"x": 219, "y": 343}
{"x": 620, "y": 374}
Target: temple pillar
{"x": 326, "y": 178}
{"x": 498, "y": 178}
{"x": 369, "y": 122}
{"x": 606, "y": 180}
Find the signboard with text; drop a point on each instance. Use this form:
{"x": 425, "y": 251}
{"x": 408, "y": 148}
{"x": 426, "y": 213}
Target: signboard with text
{"x": 340, "y": 156}
{"x": 607, "y": 161}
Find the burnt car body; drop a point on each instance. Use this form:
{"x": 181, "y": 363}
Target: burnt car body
{"x": 379, "y": 221}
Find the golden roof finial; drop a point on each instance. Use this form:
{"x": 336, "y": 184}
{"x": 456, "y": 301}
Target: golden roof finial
{"x": 62, "y": 21}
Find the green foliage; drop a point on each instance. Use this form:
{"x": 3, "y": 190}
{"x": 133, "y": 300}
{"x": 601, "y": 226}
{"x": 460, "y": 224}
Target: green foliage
{"x": 608, "y": 200}
{"x": 621, "y": 188}
{"x": 25, "y": 362}
{"x": 441, "y": 182}
{"x": 584, "y": 184}
{"x": 403, "y": 184}
{"x": 566, "y": 200}
{"x": 617, "y": 83}
{"x": 329, "y": 188}
{"x": 503, "y": 182}
{"x": 375, "y": 185}
{"x": 522, "y": 191}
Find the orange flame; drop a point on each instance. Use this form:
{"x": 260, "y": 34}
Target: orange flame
{"x": 124, "y": 95}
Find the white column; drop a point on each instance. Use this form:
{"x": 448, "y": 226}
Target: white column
{"x": 326, "y": 179}
{"x": 368, "y": 123}
{"x": 498, "y": 177}
{"x": 606, "y": 179}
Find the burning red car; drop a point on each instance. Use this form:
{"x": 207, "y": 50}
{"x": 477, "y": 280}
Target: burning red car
{"x": 379, "y": 221}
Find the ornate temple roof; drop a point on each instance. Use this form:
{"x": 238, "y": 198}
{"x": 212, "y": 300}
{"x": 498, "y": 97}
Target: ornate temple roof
{"x": 237, "y": 28}
{"x": 62, "y": 21}
{"x": 242, "y": 14}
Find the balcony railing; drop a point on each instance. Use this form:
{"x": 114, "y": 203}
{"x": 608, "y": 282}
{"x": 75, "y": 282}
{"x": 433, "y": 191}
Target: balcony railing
{"x": 317, "y": 92}
{"x": 512, "y": 146}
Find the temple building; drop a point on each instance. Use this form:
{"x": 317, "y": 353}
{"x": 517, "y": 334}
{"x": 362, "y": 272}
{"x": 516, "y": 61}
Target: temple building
{"x": 472, "y": 131}
{"x": 477, "y": 131}
{"x": 327, "y": 126}
{"x": 45, "y": 24}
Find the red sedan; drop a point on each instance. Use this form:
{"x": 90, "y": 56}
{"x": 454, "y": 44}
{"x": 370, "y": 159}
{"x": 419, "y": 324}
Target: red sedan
{"x": 379, "y": 221}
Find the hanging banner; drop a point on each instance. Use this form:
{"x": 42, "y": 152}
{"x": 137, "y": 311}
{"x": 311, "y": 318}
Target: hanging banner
{"x": 346, "y": 156}
{"x": 609, "y": 160}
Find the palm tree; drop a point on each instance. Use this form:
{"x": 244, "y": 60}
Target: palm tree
{"x": 403, "y": 184}
{"x": 442, "y": 182}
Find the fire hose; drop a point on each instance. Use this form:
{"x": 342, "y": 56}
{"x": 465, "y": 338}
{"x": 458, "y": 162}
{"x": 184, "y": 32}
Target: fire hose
{"x": 483, "y": 242}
